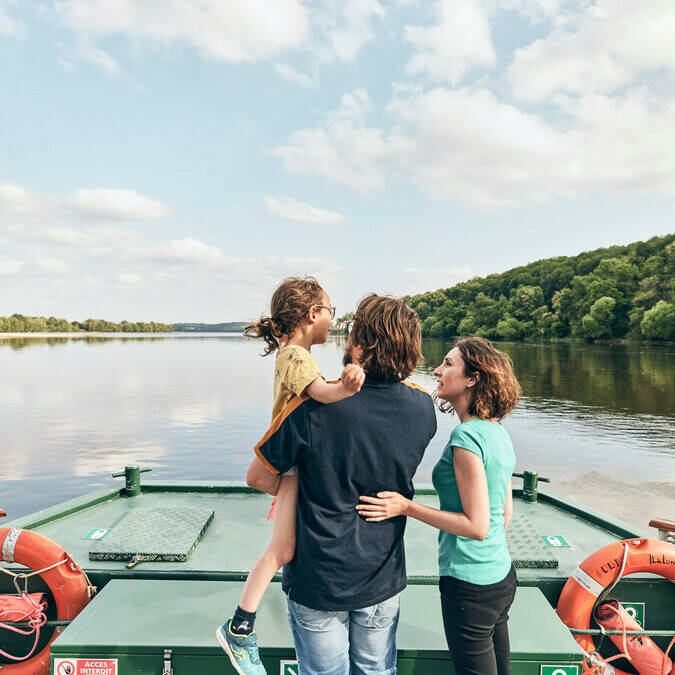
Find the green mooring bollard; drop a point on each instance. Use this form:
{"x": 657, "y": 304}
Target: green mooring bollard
{"x": 530, "y": 481}
{"x": 530, "y": 484}
{"x": 132, "y": 479}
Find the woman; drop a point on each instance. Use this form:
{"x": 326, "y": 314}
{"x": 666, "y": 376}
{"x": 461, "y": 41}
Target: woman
{"x": 473, "y": 481}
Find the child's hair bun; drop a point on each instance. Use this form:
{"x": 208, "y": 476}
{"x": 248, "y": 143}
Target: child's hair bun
{"x": 268, "y": 330}
{"x": 291, "y": 302}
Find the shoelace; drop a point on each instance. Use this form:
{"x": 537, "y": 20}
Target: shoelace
{"x": 253, "y": 650}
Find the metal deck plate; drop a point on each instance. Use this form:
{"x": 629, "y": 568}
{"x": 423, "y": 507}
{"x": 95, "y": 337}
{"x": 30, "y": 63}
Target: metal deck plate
{"x": 159, "y": 535}
{"x": 525, "y": 545}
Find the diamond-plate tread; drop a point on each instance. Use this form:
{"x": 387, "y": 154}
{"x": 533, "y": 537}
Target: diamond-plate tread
{"x": 154, "y": 535}
{"x": 525, "y": 545}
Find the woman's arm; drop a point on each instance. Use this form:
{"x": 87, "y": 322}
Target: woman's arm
{"x": 508, "y": 505}
{"x": 350, "y": 382}
{"x": 473, "y": 522}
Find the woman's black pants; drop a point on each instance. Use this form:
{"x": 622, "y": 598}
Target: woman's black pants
{"x": 475, "y": 621}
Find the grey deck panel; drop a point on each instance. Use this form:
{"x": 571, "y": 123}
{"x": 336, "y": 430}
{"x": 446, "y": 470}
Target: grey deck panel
{"x": 155, "y": 534}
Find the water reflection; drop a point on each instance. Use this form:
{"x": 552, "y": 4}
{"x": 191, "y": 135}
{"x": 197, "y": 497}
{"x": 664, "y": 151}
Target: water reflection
{"x": 615, "y": 378}
{"x": 18, "y": 343}
{"x": 193, "y": 406}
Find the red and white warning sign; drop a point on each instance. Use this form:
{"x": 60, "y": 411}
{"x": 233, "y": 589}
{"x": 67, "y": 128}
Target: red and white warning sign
{"x": 85, "y": 666}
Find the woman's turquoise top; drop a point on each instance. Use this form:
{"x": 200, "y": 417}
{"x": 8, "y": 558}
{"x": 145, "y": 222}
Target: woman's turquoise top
{"x": 478, "y": 562}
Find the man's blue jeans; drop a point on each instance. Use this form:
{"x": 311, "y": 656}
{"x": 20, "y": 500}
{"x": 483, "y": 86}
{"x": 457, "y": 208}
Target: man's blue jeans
{"x": 358, "y": 642}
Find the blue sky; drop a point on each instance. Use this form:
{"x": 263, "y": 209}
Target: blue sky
{"x": 174, "y": 160}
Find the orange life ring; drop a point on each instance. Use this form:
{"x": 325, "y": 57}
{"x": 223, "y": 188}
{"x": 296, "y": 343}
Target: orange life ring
{"x": 599, "y": 570}
{"x": 67, "y": 582}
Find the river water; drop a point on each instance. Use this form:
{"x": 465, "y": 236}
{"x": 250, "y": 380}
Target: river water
{"x": 598, "y": 420}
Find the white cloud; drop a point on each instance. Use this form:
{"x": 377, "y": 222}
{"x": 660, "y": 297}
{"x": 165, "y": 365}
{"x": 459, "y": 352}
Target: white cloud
{"x": 94, "y": 235}
{"x": 293, "y": 75}
{"x": 66, "y": 65}
{"x": 458, "y": 41}
{"x": 291, "y": 209}
{"x": 316, "y": 32}
{"x": 188, "y": 250}
{"x": 422, "y": 279}
{"x": 15, "y": 229}
{"x": 130, "y": 278}
{"x": 15, "y": 199}
{"x": 234, "y": 31}
{"x": 342, "y": 149}
{"x": 343, "y": 28}
{"x": 87, "y": 50}
{"x": 98, "y": 204}
{"x": 53, "y": 265}
{"x": 600, "y": 49}
{"x": 10, "y": 267}
{"x": 536, "y": 10}
{"x": 467, "y": 146}
{"x": 10, "y": 27}
{"x": 64, "y": 235}
{"x": 273, "y": 268}
{"x": 108, "y": 204}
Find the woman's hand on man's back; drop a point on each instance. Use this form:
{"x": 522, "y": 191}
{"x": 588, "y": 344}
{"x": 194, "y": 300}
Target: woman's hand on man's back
{"x": 385, "y": 505}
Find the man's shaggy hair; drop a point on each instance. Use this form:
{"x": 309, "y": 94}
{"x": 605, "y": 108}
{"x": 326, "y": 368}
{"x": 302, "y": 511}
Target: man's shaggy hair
{"x": 388, "y": 332}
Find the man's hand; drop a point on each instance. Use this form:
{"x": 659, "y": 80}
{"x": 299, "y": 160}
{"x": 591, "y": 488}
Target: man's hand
{"x": 353, "y": 377}
{"x": 389, "y": 505}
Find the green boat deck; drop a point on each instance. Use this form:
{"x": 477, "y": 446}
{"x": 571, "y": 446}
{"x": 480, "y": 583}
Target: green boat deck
{"x": 192, "y": 544}
{"x": 239, "y": 531}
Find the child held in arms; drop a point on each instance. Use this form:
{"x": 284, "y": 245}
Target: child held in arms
{"x": 300, "y": 316}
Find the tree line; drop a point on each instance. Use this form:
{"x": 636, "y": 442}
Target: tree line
{"x": 18, "y": 323}
{"x": 617, "y": 292}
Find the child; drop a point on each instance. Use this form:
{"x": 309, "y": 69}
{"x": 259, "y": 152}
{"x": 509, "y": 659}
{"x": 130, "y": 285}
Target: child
{"x": 301, "y": 316}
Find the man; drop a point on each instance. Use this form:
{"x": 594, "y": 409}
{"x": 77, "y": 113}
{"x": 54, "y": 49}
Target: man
{"x": 344, "y": 580}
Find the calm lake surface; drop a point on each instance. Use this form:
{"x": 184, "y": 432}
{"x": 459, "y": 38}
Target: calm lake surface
{"x": 598, "y": 420}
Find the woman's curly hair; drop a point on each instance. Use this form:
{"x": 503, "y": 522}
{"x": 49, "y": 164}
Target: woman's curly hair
{"x": 497, "y": 391}
{"x": 291, "y": 302}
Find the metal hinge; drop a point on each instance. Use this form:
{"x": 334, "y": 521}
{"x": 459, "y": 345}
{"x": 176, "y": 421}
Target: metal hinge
{"x": 168, "y": 668}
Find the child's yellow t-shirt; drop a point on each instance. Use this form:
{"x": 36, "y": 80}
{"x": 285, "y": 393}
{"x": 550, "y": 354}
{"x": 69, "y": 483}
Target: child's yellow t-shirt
{"x": 295, "y": 369}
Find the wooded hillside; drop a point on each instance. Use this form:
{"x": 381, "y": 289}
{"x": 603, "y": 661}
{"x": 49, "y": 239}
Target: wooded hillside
{"x": 617, "y": 292}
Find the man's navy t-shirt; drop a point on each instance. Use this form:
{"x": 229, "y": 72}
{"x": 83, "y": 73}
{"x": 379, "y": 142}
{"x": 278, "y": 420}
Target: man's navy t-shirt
{"x": 361, "y": 445}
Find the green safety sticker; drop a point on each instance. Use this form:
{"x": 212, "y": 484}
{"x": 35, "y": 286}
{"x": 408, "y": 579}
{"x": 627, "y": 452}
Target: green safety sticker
{"x": 636, "y": 610}
{"x": 96, "y": 533}
{"x": 288, "y": 668}
{"x": 559, "y": 670}
{"x": 555, "y": 540}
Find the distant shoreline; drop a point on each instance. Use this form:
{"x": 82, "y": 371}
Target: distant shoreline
{"x": 76, "y": 334}
{"x": 111, "y": 334}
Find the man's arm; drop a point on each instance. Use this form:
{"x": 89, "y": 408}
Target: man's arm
{"x": 261, "y": 478}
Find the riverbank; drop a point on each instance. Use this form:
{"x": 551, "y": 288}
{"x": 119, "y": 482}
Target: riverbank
{"x": 79, "y": 334}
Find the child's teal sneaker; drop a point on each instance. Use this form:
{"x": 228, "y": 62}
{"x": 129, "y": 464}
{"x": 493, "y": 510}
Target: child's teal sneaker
{"x": 242, "y": 650}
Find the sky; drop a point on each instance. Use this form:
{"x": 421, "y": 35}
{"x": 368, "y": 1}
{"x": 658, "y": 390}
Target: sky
{"x": 173, "y": 160}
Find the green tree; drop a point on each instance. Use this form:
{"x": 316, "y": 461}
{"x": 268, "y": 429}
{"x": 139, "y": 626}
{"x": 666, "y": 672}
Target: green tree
{"x": 658, "y": 322}
{"x": 510, "y": 328}
{"x": 524, "y": 300}
{"x": 598, "y": 322}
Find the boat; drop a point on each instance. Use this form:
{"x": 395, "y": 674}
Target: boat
{"x": 169, "y": 558}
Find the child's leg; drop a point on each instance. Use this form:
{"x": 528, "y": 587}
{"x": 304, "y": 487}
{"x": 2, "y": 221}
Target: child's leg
{"x": 281, "y": 548}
